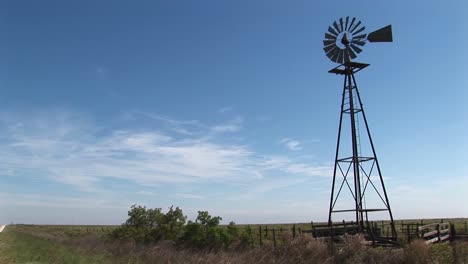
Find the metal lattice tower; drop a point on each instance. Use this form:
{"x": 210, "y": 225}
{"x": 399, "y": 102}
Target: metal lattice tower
{"x": 358, "y": 186}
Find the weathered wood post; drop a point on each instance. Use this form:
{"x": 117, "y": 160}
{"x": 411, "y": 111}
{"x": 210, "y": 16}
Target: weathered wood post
{"x": 294, "y": 231}
{"x": 408, "y": 233}
{"x": 274, "y": 238}
{"x": 438, "y": 232}
{"x": 313, "y": 229}
{"x": 260, "y": 235}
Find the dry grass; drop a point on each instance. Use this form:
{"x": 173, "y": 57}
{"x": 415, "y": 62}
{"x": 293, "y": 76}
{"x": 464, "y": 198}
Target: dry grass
{"x": 302, "y": 249}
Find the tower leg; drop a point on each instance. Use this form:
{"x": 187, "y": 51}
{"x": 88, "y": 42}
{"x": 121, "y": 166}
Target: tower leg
{"x": 351, "y": 104}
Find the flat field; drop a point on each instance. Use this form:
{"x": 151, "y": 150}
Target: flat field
{"x": 91, "y": 244}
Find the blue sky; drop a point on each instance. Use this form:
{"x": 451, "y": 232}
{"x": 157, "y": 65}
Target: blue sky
{"x": 224, "y": 106}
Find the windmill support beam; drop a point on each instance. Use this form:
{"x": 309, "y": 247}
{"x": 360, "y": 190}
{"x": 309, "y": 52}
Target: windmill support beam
{"x": 351, "y": 105}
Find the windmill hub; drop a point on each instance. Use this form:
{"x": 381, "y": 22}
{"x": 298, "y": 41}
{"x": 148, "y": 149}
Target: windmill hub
{"x": 344, "y": 39}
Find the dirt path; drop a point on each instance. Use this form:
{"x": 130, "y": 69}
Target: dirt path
{"x": 2, "y": 227}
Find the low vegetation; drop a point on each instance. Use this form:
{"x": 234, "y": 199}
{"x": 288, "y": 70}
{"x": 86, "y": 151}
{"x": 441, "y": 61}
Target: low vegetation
{"x": 153, "y": 236}
{"x": 146, "y": 226}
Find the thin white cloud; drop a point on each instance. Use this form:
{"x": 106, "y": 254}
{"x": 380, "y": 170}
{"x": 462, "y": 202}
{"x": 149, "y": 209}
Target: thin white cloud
{"x": 233, "y": 125}
{"x": 189, "y": 196}
{"x": 291, "y": 144}
{"x": 147, "y": 193}
{"x": 224, "y": 110}
{"x": 68, "y": 148}
{"x": 287, "y": 165}
{"x": 14, "y": 199}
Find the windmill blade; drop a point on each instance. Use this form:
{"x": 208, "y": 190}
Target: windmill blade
{"x": 330, "y": 36}
{"x": 352, "y": 23}
{"x": 329, "y": 42}
{"x": 382, "y": 35}
{"x": 356, "y": 48}
{"x": 328, "y": 48}
{"x": 356, "y": 26}
{"x": 346, "y": 56}
{"x": 332, "y": 31}
{"x": 360, "y": 30}
{"x": 362, "y": 36}
{"x": 351, "y": 52}
{"x": 332, "y": 51}
{"x": 340, "y": 56}
{"x": 335, "y": 55}
{"x": 341, "y": 24}
{"x": 346, "y": 25}
{"x": 358, "y": 42}
{"x": 336, "y": 27}
{"x": 331, "y": 54}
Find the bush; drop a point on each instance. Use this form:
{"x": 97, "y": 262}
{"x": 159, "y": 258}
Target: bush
{"x": 206, "y": 233}
{"x": 150, "y": 225}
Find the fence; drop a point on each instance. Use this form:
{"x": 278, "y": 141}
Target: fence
{"x": 276, "y": 235}
{"x": 434, "y": 233}
{"x": 407, "y": 230}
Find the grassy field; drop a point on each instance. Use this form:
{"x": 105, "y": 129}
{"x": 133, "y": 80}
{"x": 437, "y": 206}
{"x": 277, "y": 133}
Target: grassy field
{"x": 22, "y": 247}
{"x": 88, "y": 244}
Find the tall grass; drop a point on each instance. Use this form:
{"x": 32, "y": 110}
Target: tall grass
{"x": 18, "y": 247}
{"x": 37, "y": 246}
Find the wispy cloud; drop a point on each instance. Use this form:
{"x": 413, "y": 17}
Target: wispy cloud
{"x": 233, "y": 125}
{"x": 224, "y": 110}
{"x": 291, "y": 144}
{"x": 189, "y": 196}
{"x": 147, "y": 193}
{"x": 69, "y": 148}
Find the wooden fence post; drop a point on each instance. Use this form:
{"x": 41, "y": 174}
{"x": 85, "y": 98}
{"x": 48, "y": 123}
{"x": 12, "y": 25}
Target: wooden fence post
{"x": 408, "y": 233}
{"x": 313, "y": 230}
{"x": 260, "y": 235}
{"x": 274, "y": 238}
{"x": 438, "y": 232}
{"x": 294, "y": 231}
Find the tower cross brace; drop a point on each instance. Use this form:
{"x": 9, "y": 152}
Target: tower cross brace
{"x": 361, "y": 180}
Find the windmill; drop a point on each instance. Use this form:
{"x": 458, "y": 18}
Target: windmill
{"x": 358, "y": 188}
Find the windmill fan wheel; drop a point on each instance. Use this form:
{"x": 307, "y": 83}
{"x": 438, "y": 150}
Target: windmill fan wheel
{"x": 344, "y": 40}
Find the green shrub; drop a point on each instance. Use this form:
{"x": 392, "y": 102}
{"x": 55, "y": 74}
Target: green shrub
{"x": 206, "y": 233}
{"x": 150, "y": 225}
